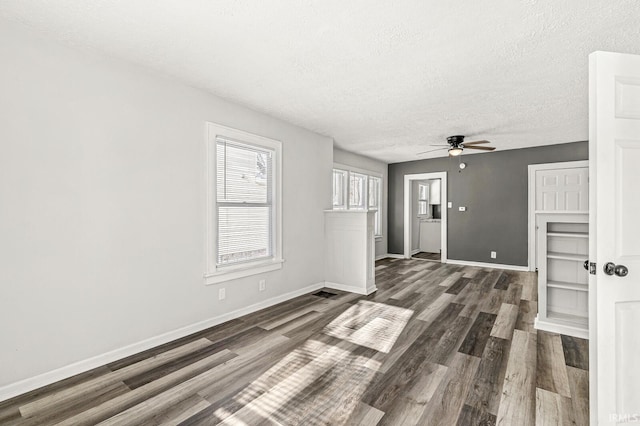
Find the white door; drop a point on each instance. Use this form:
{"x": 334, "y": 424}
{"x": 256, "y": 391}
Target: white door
{"x": 562, "y": 190}
{"x": 614, "y": 164}
{"x": 555, "y": 187}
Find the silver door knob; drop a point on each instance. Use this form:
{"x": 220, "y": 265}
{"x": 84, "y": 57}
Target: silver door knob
{"x": 611, "y": 268}
{"x": 621, "y": 271}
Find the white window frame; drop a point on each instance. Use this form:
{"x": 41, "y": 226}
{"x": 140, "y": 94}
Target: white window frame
{"x": 424, "y": 200}
{"x": 365, "y": 191}
{"x": 367, "y": 173}
{"x": 345, "y": 189}
{"x": 215, "y": 274}
{"x": 377, "y": 208}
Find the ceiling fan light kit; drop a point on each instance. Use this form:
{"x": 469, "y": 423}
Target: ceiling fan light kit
{"x": 456, "y": 145}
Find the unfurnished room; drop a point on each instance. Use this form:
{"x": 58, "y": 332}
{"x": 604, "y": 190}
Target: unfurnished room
{"x": 319, "y": 212}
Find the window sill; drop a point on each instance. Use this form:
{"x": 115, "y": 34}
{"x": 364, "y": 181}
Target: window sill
{"x": 245, "y": 271}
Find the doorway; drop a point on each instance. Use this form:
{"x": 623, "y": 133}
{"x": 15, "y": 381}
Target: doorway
{"x": 409, "y": 225}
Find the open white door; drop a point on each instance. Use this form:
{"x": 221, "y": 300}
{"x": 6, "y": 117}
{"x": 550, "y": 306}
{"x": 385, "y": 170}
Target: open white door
{"x": 614, "y": 166}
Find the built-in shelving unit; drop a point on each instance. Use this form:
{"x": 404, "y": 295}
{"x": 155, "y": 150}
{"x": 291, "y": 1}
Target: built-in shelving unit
{"x": 563, "y": 247}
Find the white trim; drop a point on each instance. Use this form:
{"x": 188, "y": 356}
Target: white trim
{"x": 554, "y": 327}
{"x": 407, "y": 211}
{"x": 234, "y": 272}
{"x": 26, "y": 385}
{"x": 347, "y": 168}
{"x": 415, "y": 251}
{"x": 214, "y": 274}
{"x": 351, "y": 289}
{"x": 488, "y": 265}
{"x": 531, "y": 222}
{"x": 391, "y": 255}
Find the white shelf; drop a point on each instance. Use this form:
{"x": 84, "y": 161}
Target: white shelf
{"x": 568, "y": 234}
{"x": 562, "y": 247}
{"x": 567, "y": 286}
{"x": 567, "y": 256}
{"x": 563, "y": 212}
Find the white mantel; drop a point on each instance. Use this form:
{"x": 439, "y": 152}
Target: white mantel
{"x": 350, "y": 250}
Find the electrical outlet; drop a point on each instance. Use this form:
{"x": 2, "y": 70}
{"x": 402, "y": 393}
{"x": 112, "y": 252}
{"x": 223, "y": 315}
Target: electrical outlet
{"x": 493, "y": 254}
{"x": 450, "y": 204}
{"x": 262, "y": 285}
{"x": 222, "y": 293}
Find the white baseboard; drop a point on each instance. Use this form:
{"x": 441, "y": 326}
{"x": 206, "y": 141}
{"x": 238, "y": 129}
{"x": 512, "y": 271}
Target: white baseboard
{"x": 26, "y": 385}
{"x": 351, "y": 289}
{"x": 391, "y": 255}
{"x": 488, "y": 265}
{"x": 561, "y": 328}
{"x": 415, "y": 251}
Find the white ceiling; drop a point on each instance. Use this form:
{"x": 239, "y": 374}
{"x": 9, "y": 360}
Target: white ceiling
{"x": 383, "y": 78}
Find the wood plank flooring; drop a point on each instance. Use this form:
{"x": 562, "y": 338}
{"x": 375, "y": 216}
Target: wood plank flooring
{"x": 429, "y": 256}
{"x": 437, "y": 344}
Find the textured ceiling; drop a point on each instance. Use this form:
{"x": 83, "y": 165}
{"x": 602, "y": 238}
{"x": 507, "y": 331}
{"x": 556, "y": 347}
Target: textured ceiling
{"x": 383, "y": 78}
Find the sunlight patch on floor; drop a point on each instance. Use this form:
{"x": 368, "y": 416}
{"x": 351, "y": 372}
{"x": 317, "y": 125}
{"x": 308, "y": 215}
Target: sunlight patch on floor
{"x": 322, "y": 381}
{"x": 312, "y": 383}
{"x": 370, "y": 324}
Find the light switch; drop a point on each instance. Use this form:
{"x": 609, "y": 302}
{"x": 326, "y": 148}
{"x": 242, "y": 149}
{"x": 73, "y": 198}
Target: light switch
{"x": 462, "y": 209}
{"x": 449, "y": 204}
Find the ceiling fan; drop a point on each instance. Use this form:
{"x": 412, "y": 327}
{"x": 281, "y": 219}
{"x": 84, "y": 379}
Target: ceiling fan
{"x": 456, "y": 144}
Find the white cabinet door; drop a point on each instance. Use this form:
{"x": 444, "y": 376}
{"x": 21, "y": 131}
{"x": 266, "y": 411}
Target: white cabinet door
{"x": 430, "y": 237}
{"x": 614, "y": 155}
{"x": 562, "y": 190}
{"x": 434, "y": 193}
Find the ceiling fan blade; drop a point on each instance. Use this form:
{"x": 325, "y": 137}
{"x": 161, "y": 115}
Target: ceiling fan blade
{"x": 482, "y": 148}
{"x": 425, "y": 152}
{"x": 475, "y": 143}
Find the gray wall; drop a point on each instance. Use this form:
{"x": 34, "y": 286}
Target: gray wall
{"x": 494, "y": 189}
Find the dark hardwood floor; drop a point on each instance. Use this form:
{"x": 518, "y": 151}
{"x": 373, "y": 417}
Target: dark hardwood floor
{"x": 427, "y": 256}
{"x": 437, "y": 344}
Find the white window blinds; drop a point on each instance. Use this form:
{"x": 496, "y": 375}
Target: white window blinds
{"x": 244, "y": 202}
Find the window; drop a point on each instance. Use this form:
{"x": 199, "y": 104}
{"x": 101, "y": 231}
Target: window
{"x": 244, "y": 203}
{"x": 340, "y": 188}
{"x": 244, "y": 232}
{"x": 375, "y": 195}
{"x": 357, "y": 188}
{"x": 354, "y": 190}
{"x": 423, "y": 198}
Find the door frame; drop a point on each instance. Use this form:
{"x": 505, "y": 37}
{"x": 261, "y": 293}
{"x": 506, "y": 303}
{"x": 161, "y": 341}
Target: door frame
{"x": 531, "y": 217}
{"x": 407, "y": 210}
